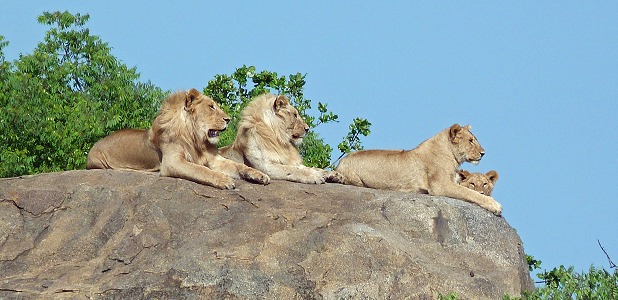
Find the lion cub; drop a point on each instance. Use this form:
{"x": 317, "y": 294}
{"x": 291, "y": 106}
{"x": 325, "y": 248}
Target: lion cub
{"x": 482, "y": 183}
{"x": 429, "y": 168}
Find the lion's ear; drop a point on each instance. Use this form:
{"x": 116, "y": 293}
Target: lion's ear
{"x": 453, "y": 131}
{"x": 280, "y": 102}
{"x": 192, "y": 94}
{"x": 492, "y": 175}
{"x": 463, "y": 174}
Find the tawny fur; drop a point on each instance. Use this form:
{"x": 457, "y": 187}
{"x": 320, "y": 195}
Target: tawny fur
{"x": 181, "y": 143}
{"x": 267, "y": 139}
{"x": 429, "y": 168}
{"x": 482, "y": 183}
{"x": 126, "y": 149}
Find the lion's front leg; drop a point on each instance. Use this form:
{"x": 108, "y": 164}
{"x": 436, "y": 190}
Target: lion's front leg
{"x": 173, "y": 164}
{"x": 299, "y": 173}
{"x": 239, "y": 170}
{"x": 453, "y": 190}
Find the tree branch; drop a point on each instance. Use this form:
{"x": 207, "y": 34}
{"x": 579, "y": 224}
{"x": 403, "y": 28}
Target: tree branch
{"x": 611, "y": 263}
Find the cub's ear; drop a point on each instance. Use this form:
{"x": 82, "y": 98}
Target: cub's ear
{"x": 280, "y": 102}
{"x": 492, "y": 175}
{"x": 453, "y": 131}
{"x": 191, "y": 95}
{"x": 463, "y": 174}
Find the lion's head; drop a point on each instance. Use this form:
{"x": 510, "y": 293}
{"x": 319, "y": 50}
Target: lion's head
{"x": 289, "y": 116}
{"x": 482, "y": 183}
{"x": 466, "y": 146}
{"x": 190, "y": 116}
{"x": 283, "y": 120}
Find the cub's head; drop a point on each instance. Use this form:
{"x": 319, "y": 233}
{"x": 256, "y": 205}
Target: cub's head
{"x": 482, "y": 183}
{"x": 294, "y": 125}
{"x": 466, "y": 146}
{"x": 207, "y": 118}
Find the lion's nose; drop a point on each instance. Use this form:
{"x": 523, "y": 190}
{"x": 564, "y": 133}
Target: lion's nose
{"x": 306, "y": 128}
{"x": 482, "y": 153}
{"x": 227, "y": 120}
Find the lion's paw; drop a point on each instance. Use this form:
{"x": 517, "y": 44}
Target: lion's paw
{"x": 257, "y": 177}
{"x": 335, "y": 177}
{"x": 314, "y": 177}
{"x": 226, "y": 183}
{"x": 495, "y": 208}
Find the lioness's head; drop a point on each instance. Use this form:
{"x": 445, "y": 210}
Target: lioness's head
{"x": 482, "y": 183}
{"x": 207, "y": 117}
{"x": 467, "y": 147}
{"x": 291, "y": 119}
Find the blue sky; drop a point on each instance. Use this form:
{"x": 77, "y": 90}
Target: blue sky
{"x": 537, "y": 80}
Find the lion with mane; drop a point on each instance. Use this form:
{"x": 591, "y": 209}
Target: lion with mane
{"x": 268, "y": 137}
{"x": 181, "y": 143}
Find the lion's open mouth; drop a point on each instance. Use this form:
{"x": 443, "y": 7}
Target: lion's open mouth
{"x": 298, "y": 136}
{"x": 213, "y": 133}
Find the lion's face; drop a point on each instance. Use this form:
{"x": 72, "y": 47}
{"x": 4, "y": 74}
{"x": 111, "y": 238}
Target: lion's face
{"x": 482, "y": 183}
{"x": 466, "y": 144}
{"x": 293, "y": 122}
{"x": 208, "y": 118}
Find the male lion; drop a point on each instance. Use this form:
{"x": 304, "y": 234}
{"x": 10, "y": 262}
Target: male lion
{"x": 482, "y": 183}
{"x": 267, "y": 139}
{"x": 181, "y": 143}
{"x": 429, "y": 168}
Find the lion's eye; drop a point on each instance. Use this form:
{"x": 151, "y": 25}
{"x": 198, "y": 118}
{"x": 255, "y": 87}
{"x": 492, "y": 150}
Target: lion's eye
{"x": 471, "y": 141}
{"x": 471, "y": 184}
{"x": 484, "y": 184}
{"x": 212, "y": 107}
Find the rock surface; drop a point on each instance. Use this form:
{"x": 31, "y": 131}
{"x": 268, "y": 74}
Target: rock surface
{"x": 126, "y": 235}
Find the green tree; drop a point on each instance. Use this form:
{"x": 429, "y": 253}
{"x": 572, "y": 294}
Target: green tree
{"x": 565, "y": 283}
{"x": 66, "y": 95}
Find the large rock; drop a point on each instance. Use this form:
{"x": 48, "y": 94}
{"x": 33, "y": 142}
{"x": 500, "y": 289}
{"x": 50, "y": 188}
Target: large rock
{"x": 126, "y": 235}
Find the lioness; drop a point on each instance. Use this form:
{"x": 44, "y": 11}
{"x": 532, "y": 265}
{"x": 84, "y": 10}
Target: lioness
{"x": 267, "y": 139}
{"x": 429, "y": 168}
{"x": 482, "y": 183}
{"x": 181, "y": 143}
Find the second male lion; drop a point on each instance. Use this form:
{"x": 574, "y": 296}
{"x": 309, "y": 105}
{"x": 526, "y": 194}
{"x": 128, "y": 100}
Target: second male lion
{"x": 429, "y": 168}
{"x": 482, "y": 183}
{"x": 181, "y": 143}
{"x": 267, "y": 139}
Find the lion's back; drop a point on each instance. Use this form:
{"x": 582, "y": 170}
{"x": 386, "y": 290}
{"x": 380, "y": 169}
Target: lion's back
{"x": 381, "y": 169}
{"x": 123, "y": 149}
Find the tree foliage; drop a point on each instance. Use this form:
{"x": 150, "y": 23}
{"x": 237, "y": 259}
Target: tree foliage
{"x": 67, "y": 94}
{"x": 71, "y": 91}
{"x": 565, "y": 283}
